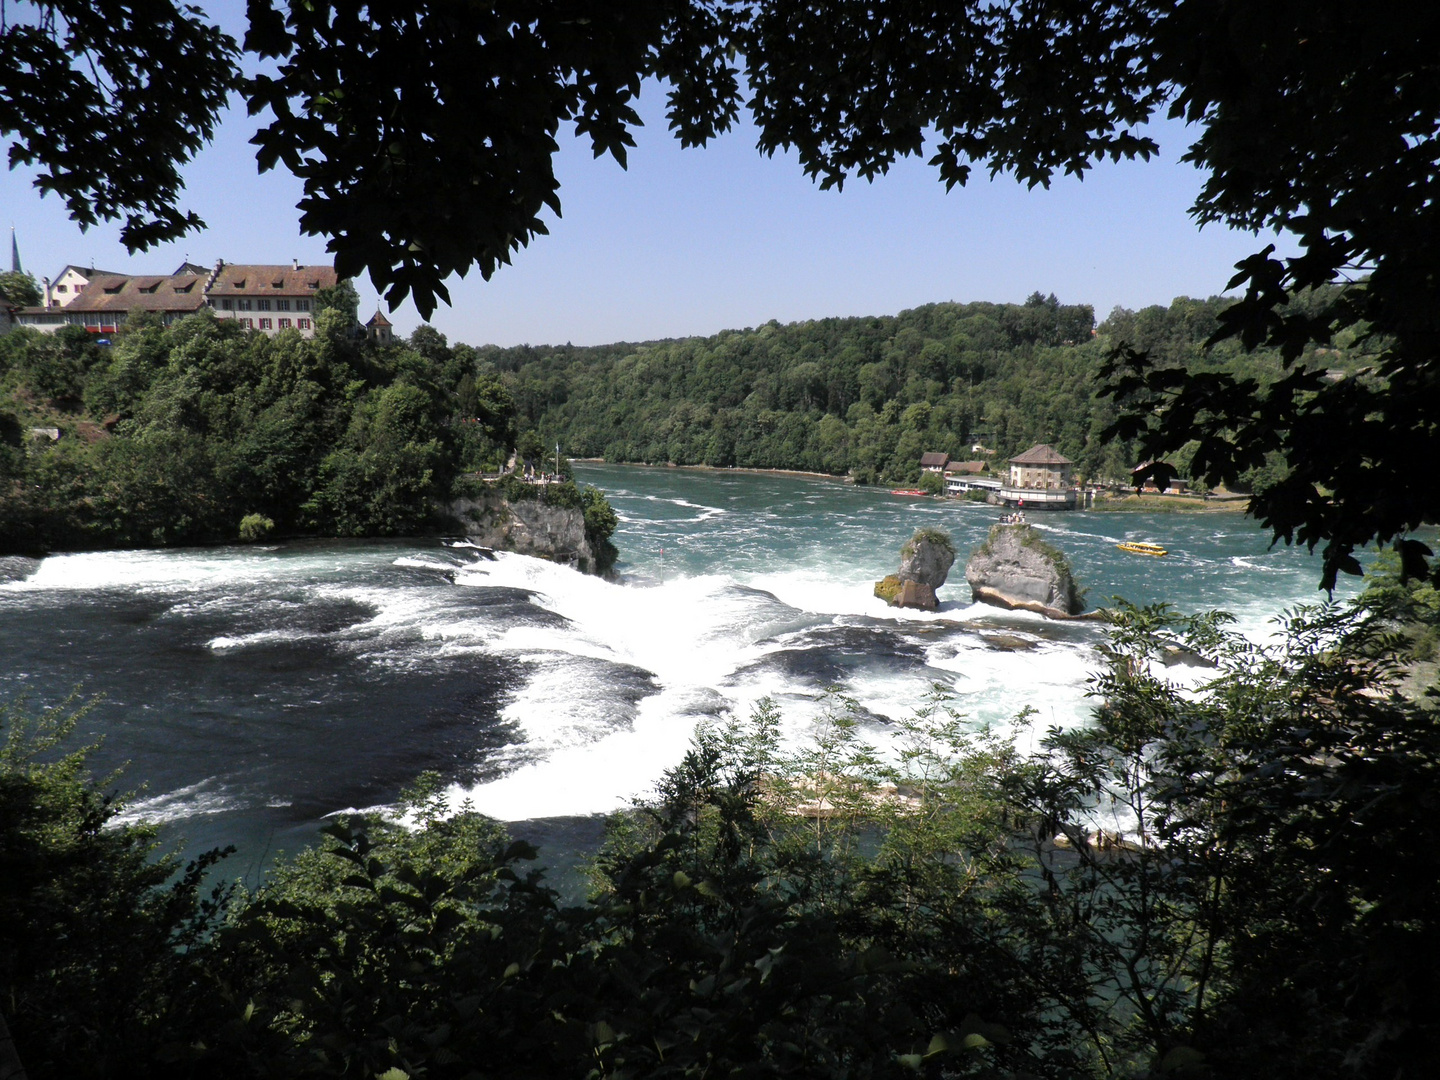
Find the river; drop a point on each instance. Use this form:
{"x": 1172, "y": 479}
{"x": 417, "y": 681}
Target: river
{"x": 251, "y": 691}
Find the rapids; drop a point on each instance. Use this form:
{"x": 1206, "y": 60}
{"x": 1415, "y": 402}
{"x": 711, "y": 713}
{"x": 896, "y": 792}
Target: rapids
{"x": 255, "y": 690}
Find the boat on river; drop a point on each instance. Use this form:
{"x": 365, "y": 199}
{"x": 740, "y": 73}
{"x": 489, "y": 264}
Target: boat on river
{"x": 906, "y": 491}
{"x": 1140, "y": 547}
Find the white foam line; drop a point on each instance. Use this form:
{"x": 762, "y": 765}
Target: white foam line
{"x": 190, "y": 801}
{"x": 261, "y": 637}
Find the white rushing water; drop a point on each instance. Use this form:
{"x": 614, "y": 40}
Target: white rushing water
{"x": 255, "y": 690}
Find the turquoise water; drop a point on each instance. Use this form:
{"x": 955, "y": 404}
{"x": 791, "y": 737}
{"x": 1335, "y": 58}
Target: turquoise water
{"x": 255, "y": 690}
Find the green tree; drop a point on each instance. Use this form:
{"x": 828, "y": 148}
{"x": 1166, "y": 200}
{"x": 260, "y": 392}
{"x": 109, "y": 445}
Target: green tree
{"x": 18, "y": 289}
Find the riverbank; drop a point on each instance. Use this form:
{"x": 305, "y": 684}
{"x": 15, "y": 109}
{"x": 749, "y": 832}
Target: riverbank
{"x": 722, "y": 470}
{"x": 1171, "y": 504}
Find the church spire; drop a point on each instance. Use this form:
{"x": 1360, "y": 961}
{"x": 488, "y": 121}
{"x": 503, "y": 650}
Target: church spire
{"x": 14, "y": 252}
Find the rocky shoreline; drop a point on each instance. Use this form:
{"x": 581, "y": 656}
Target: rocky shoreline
{"x": 527, "y": 527}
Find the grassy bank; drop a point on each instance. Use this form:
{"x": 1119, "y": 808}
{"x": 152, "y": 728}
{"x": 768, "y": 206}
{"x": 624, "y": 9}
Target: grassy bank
{"x": 1171, "y": 504}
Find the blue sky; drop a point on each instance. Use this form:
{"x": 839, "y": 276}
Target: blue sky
{"x": 696, "y": 241}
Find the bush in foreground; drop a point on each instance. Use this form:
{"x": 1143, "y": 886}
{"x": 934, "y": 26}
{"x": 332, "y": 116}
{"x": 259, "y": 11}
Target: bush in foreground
{"x": 1223, "y": 878}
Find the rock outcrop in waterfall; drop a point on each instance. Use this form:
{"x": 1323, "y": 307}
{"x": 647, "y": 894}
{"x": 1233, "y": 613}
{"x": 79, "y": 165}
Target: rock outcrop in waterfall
{"x": 1015, "y": 568}
{"x": 925, "y": 562}
{"x": 541, "y": 523}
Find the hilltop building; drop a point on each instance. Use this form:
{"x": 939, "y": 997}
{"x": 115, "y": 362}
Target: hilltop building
{"x": 263, "y": 297}
{"x": 379, "y": 329}
{"x": 69, "y": 283}
{"x": 1040, "y": 479}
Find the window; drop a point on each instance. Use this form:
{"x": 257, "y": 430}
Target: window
{"x": 244, "y": 303}
{"x": 302, "y": 324}
{"x": 284, "y": 324}
{"x": 227, "y": 305}
{"x": 265, "y": 324}
{"x": 264, "y": 305}
{"x": 302, "y": 305}
{"x": 249, "y": 324}
{"x": 282, "y": 305}
{"x": 65, "y": 288}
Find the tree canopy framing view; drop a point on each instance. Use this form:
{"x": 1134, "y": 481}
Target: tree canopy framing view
{"x": 425, "y": 135}
{"x": 958, "y": 913}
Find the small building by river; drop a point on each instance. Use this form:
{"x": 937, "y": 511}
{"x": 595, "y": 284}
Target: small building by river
{"x": 1040, "y": 479}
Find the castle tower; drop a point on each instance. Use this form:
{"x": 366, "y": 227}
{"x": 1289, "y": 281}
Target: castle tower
{"x": 379, "y": 329}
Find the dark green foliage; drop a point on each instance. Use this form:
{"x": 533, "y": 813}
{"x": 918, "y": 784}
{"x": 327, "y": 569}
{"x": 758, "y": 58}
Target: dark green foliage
{"x": 340, "y": 297}
{"x": 864, "y": 396}
{"x": 842, "y": 395}
{"x": 177, "y": 434}
{"x": 1273, "y": 910}
{"x": 18, "y": 290}
{"x": 1412, "y": 604}
{"x": 1282, "y": 94}
{"x": 95, "y": 922}
{"x": 422, "y": 950}
{"x": 88, "y": 93}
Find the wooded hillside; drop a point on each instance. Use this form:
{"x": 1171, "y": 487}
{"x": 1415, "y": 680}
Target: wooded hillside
{"x": 863, "y": 395}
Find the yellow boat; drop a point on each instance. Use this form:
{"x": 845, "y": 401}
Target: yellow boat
{"x": 1139, "y": 547}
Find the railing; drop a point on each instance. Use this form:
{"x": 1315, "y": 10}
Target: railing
{"x": 1038, "y": 496}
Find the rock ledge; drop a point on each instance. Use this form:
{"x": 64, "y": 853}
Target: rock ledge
{"x": 527, "y": 527}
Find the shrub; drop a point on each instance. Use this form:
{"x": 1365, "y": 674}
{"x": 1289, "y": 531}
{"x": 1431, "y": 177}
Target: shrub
{"x": 255, "y": 527}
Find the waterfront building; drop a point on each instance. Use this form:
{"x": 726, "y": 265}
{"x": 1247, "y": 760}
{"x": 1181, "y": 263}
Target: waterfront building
{"x": 966, "y": 476}
{"x": 1042, "y": 479}
{"x": 933, "y": 462}
{"x": 1176, "y": 486}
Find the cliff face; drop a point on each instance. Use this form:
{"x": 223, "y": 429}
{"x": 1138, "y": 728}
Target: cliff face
{"x": 527, "y": 527}
{"x": 1015, "y": 568}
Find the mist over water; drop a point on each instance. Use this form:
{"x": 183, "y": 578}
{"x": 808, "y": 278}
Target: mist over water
{"x": 254, "y": 690}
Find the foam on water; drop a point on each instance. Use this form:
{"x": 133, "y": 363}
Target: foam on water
{"x": 207, "y": 797}
{"x": 260, "y": 637}
{"x": 569, "y": 694}
{"x": 715, "y": 644}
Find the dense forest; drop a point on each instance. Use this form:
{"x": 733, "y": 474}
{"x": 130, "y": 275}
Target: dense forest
{"x": 866, "y": 396}
{"x": 201, "y": 432}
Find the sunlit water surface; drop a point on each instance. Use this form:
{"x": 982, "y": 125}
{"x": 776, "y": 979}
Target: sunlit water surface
{"x": 251, "y": 691}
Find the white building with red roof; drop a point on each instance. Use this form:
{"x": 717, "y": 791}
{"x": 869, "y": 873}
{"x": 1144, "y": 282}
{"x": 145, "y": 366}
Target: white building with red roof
{"x": 263, "y": 297}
